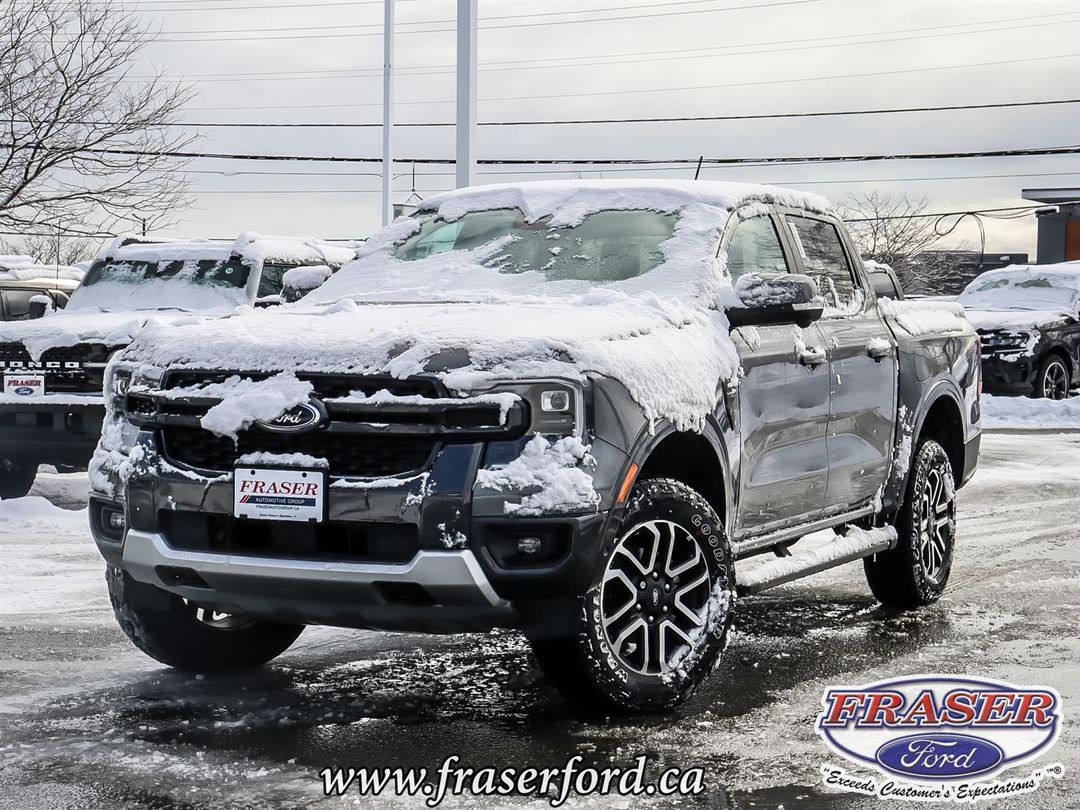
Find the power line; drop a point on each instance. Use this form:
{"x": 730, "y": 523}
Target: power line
{"x": 696, "y": 88}
{"x": 649, "y": 120}
{"x": 762, "y": 161}
{"x": 637, "y": 57}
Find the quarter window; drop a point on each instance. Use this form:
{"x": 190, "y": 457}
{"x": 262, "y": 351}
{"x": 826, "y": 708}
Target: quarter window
{"x": 755, "y": 248}
{"x": 825, "y": 260}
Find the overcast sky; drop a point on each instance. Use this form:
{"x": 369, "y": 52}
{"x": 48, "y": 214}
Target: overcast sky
{"x": 322, "y": 63}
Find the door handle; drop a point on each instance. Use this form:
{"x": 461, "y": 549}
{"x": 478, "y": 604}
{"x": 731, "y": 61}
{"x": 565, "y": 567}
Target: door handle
{"x": 879, "y": 349}
{"x": 811, "y": 356}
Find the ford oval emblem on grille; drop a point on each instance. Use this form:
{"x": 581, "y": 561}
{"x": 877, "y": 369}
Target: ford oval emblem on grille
{"x": 299, "y": 418}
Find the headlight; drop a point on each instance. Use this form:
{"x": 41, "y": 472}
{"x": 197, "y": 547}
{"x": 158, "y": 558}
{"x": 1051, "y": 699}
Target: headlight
{"x": 556, "y": 407}
{"x": 117, "y": 383}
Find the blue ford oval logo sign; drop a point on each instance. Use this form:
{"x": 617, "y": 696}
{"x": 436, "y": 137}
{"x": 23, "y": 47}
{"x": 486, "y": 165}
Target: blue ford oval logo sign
{"x": 939, "y": 756}
{"x": 297, "y": 419}
{"x": 24, "y": 391}
{"x": 937, "y": 729}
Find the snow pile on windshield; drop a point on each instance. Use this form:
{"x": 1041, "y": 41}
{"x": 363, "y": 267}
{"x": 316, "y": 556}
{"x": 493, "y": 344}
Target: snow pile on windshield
{"x": 919, "y": 318}
{"x": 1026, "y": 286}
{"x": 658, "y": 333}
{"x": 551, "y": 476}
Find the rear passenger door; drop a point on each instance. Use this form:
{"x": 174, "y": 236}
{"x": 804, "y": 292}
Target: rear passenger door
{"x": 783, "y": 399}
{"x": 862, "y": 364}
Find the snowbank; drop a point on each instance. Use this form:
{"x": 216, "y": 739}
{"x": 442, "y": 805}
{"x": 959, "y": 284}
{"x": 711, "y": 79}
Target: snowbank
{"x": 1025, "y": 412}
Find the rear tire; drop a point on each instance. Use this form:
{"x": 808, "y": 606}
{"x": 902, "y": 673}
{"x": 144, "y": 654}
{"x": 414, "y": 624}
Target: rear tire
{"x": 653, "y": 625}
{"x": 182, "y": 635}
{"x": 1052, "y": 381}
{"x": 16, "y": 478}
{"x": 916, "y": 571}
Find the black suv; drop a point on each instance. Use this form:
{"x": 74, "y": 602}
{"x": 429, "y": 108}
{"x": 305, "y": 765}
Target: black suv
{"x": 28, "y": 290}
{"x": 1028, "y": 318}
{"x": 589, "y": 411}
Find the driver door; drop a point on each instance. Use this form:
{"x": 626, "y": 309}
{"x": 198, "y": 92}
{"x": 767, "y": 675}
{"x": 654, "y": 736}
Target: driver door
{"x": 783, "y": 399}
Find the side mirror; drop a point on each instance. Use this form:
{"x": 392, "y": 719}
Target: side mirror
{"x": 40, "y": 306}
{"x": 776, "y": 298}
{"x": 299, "y": 281}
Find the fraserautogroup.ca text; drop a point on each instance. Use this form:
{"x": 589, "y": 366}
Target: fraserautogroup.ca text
{"x": 572, "y": 779}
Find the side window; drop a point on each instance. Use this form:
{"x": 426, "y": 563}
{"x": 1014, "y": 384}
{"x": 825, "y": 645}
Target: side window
{"x": 18, "y": 303}
{"x": 755, "y": 248}
{"x": 825, "y": 261}
{"x": 270, "y": 281}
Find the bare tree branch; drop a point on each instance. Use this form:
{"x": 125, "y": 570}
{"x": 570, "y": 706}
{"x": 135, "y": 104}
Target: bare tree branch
{"x": 64, "y": 89}
{"x": 894, "y": 231}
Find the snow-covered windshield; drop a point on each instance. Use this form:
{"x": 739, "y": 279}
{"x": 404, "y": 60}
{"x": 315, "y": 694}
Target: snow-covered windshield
{"x": 193, "y": 285}
{"x": 605, "y": 246}
{"x": 1021, "y": 291}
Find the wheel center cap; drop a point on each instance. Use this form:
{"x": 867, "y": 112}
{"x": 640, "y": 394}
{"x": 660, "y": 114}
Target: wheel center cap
{"x": 656, "y": 596}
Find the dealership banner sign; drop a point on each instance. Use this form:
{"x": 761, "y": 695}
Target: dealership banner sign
{"x": 940, "y": 738}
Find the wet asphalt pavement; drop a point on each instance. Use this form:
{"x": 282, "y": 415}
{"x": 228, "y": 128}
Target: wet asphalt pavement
{"x": 88, "y": 722}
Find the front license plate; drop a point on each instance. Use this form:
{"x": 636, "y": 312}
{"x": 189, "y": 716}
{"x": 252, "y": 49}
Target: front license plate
{"x": 279, "y": 494}
{"x": 24, "y": 385}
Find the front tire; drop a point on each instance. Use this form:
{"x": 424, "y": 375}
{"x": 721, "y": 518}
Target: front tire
{"x": 16, "y": 478}
{"x": 181, "y": 635}
{"x": 653, "y": 625}
{"x": 916, "y": 571}
{"x": 1052, "y": 381}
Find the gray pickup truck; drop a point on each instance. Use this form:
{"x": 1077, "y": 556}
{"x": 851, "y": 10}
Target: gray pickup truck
{"x": 598, "y": 413}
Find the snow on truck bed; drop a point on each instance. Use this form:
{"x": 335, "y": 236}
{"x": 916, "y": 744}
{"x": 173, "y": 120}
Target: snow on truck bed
{"x": 381, "y": 314}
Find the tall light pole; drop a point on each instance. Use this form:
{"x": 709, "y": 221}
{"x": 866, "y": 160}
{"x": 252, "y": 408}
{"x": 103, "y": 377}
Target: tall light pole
{"x": 466, "y": 93}
{"x": 388, "y": 114}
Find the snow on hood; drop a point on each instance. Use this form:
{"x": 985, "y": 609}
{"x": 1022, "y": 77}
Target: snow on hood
{"x": 453, "y": 315}
{"x": 469, "y": 345}
{"x": 1013, "y": 320}
{"x": 71, "y": 327}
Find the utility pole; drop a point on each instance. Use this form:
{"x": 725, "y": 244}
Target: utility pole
{"x": 388, "y": 114}
{"x": 466, "y": 93}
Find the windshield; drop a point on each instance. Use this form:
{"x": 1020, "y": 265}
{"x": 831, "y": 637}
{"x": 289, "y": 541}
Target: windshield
{"x": 605, "y": 246}
{"x": 194, "y": 285}
{"x": 1027, "y": 291}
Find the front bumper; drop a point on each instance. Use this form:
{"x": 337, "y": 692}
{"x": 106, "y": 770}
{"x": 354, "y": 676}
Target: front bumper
{"x": 458, "y": 580}
{"x": 1008, "y": 373}
{"x": 60, "y": 431}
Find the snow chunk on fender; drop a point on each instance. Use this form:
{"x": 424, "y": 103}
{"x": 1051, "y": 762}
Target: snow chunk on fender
{"x": 551, "y": 475}
{"x": 245, "y": 401}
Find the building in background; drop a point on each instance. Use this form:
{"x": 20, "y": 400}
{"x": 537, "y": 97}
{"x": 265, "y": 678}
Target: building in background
{"x": 1059, "y": 224}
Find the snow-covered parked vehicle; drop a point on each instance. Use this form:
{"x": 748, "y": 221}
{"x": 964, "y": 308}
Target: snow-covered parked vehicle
{"x": 52, "y": 368}
{"x": 589, "y": 411}
{"x": 29, "y": 289}
{"x": 1028, "y": 317}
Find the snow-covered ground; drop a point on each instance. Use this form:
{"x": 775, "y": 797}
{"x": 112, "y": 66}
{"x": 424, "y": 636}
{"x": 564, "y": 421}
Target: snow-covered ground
{"x": 88, "y": 722}
{"x": 1026, "y": 412}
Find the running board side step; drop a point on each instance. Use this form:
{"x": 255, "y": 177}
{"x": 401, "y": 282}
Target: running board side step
{"x": 854, "y": 545}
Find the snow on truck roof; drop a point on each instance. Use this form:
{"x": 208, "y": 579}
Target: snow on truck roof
{"x": 568, "y": 201}
{"x": 27, "y": 268}
{"x": 248, "y": 246}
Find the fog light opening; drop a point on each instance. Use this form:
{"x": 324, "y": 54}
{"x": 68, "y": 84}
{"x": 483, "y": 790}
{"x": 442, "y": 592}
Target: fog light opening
{"x": 529, "y": 545}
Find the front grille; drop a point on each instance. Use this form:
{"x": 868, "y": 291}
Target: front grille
{"x": 69, "y": 380}
{"x": 390, "y": 543}
{"x": 358, "y": 439}
{"x": 348, "y": 454}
